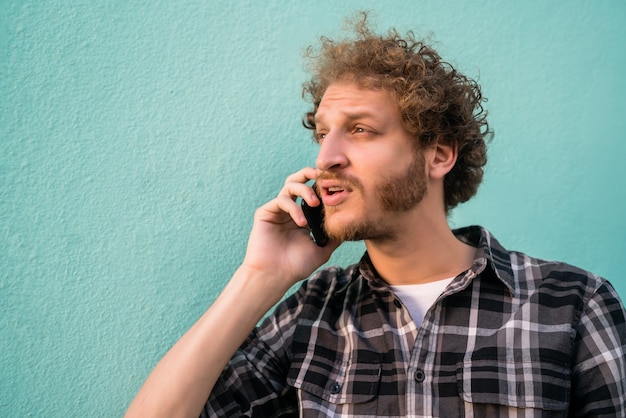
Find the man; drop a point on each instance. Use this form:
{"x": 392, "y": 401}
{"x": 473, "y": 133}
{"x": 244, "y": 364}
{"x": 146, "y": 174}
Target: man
{"x": 431, "y": 322}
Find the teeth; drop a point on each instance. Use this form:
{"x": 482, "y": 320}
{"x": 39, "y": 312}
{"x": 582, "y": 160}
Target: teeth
{"x": 334, "y": 189}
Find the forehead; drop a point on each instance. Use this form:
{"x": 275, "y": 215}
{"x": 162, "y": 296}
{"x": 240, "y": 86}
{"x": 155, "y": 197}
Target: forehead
{"x": 352, "y": 100}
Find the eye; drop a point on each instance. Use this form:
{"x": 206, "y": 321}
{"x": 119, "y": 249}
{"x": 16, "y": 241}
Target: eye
{"x": 319, "y": 136}
{"x": 362, "y": 130}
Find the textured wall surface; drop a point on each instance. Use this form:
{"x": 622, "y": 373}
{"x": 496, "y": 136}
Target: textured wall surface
{"x": 137, "y": 138}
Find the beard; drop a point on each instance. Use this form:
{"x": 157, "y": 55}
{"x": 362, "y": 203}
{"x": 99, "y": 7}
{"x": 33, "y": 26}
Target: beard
{"x": 393, "y": 194}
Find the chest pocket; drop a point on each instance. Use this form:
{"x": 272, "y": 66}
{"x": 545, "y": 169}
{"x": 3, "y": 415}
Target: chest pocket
{"x": 337, "y": 381}
{"x": 534, "y": 384}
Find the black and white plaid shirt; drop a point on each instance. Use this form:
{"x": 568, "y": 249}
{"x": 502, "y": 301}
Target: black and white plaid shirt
{"x": 513, "y": 336}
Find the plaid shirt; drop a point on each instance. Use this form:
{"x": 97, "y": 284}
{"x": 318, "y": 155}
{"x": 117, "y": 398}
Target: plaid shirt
{"x": 513, "y": 336}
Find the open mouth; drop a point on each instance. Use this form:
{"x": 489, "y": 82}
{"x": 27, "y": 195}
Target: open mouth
{"x": 332, "y": 190}
{"x": 334, "y": 195}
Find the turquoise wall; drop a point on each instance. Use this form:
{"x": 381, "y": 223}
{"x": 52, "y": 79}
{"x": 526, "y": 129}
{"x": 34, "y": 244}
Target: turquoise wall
{"x": 137, "y": 138}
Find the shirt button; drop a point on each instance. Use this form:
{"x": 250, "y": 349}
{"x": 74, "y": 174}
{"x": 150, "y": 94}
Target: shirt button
{"x": 419, "y": 376}
{"x": 335, "y": 388}
{"x": 397, "y": 303}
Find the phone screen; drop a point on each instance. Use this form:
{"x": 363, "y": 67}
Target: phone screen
{"x": 315, "y": 218}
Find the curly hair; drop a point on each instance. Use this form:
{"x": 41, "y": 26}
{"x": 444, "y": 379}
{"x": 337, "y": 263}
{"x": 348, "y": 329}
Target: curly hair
{"x": 437, "y": 103}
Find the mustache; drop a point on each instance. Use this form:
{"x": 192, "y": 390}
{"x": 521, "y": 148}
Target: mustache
{"x": 346, "y": 180}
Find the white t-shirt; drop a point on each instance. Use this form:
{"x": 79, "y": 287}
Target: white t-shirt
{"x": 418, "y": 298}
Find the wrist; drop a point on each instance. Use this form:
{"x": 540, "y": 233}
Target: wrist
{"x": 257, "y": 287}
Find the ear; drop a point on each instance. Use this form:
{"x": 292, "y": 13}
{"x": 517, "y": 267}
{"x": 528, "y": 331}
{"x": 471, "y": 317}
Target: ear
{"x": 440, "y": 160}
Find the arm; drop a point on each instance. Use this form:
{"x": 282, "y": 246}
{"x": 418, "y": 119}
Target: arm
{"x": 599, "y": 374}
{"x": 279, "y": 254}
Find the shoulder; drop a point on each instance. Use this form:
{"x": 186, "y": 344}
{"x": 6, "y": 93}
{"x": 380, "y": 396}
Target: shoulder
{"x": 524, "y": 273}
{"x": 559, "y": 274}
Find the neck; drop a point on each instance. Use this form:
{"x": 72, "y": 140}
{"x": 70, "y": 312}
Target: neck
{"x": 423, "y": 250}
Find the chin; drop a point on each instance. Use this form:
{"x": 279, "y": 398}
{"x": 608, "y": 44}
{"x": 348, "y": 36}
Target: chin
{"x": 352, "y": 228}
{"x": 338, "y": 220}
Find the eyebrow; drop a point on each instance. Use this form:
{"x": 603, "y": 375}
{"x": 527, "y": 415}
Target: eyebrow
{"x": 352, "y": 115}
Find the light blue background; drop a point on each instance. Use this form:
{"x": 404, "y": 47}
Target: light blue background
{"x": 138, "y": 137}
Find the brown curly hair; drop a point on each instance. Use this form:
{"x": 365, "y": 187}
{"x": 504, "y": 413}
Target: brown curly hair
{"x": 437, "y": 103}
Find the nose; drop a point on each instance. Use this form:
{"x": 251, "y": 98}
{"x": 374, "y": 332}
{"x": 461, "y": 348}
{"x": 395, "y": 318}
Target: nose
{"x": 332, "y": 153}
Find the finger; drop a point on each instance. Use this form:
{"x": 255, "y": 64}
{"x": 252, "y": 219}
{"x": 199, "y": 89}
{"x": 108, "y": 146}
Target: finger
{"x": 275, "y": 210}
{"x": 295, "y": 190}
{"x": 302, "y": 176}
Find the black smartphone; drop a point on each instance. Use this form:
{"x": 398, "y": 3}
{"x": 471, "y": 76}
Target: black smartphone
{"x": 315, "y": 218}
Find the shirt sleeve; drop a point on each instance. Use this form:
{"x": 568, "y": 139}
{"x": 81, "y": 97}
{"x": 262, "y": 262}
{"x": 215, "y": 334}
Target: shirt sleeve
{"x": 599, "y": 374}
{"x": 253, "y": 383}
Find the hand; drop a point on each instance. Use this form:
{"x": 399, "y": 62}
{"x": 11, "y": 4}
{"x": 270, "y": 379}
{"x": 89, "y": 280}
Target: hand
{"x": 280, "y": 244}
{"x": 280, "y": 253}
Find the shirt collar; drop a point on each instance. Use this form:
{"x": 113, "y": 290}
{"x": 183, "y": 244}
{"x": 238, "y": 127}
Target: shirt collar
{"x": 490, "y": 251}
{"x": 489, "y": 254}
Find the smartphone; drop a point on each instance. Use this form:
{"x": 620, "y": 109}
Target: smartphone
{"x": 315, "y": 218}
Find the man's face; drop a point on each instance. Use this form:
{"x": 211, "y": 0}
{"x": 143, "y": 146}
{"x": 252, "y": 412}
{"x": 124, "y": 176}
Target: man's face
{"x": 369, "y": 170}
